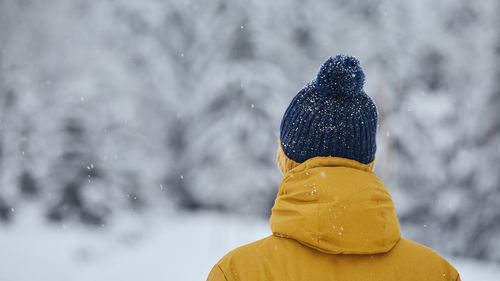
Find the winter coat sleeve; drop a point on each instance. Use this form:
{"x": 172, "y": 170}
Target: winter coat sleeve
{"x": 216, "y": 274}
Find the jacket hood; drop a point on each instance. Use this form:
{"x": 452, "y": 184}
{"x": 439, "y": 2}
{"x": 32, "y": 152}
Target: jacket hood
{"x": 337, "y": 206}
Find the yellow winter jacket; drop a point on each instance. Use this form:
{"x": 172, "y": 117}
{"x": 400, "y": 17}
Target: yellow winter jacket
{"x": 333, "y": 219}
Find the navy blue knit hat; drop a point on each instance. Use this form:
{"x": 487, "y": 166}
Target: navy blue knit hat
{"x": 331, "y": 116}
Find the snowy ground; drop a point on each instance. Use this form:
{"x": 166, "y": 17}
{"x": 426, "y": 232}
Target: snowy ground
{"x": 178, "y": 248}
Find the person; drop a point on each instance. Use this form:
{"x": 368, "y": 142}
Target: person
{"x": 333, "y": 218}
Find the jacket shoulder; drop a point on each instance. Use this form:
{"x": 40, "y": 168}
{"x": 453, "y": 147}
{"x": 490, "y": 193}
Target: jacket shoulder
{"x": 248, "y": 251}
{"x": 247, "y": 260}
{"x": 424, "y": 259}
{"x": 216, "y": 274}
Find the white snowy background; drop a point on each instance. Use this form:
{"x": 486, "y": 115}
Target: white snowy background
{"x": 138, "y": 138}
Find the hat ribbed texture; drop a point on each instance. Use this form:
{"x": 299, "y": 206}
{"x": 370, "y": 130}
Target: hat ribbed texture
{"x": 331, "y": 116}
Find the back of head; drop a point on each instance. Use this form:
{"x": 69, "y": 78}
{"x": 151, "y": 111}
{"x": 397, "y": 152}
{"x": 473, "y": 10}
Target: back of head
{"x": 331, "y": 116}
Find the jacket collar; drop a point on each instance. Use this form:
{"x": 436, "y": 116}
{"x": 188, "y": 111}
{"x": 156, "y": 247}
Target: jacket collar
{"x": 285, "y": 164}
{"x": 337, "y": 206}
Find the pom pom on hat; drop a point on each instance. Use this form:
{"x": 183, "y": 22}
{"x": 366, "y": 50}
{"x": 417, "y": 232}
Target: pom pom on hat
{"x": 340, "y": 76}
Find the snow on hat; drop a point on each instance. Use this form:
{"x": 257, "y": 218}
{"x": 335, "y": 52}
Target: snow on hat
{"x": 331, "y": 116}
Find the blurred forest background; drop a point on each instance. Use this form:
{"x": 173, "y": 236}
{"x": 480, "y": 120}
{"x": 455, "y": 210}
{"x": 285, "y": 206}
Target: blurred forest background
{"x": 129, "y": 107}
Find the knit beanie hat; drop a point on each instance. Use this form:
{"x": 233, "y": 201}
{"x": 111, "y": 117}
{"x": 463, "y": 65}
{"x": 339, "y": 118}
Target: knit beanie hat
{"x": 331, "y": 116}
